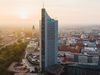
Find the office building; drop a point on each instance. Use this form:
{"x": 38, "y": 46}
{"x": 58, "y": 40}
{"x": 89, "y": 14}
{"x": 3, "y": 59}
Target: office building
{"x": 49, "y": 40}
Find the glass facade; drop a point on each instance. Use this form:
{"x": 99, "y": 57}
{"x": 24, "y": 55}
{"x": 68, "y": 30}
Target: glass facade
{"x": 49, "y": 40}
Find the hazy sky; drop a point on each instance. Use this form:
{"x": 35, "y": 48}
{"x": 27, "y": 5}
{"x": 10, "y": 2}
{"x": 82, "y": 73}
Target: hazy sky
{"x": 27, "y": 12}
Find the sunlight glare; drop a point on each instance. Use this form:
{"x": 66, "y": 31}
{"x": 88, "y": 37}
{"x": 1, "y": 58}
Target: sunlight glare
{"x": 24, "y": 14}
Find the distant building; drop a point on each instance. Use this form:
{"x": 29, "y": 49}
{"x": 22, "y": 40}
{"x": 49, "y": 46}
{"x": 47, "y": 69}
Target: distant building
{"x": 81, "y": 69}
{"x": 49, "y": 40}
{"x": 84, "y": 36}
{"x": 33, "y": 27}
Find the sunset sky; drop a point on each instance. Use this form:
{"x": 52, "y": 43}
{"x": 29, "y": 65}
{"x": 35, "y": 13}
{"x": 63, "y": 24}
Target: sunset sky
{"x": 27, "y": 12}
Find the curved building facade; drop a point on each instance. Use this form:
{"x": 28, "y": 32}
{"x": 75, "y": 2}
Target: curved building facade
{"x": 49, "y": 40}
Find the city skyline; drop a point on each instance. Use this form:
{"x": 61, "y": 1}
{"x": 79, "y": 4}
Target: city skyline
{"x": 67, "y": 41}
{"x": 68, "y": 12}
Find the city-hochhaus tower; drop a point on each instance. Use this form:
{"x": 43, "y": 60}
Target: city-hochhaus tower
{"x": 49, "y": 40}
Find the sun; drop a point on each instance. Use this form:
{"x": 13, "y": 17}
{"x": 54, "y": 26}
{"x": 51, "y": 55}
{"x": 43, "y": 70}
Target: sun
{"x": 23, "y": 14}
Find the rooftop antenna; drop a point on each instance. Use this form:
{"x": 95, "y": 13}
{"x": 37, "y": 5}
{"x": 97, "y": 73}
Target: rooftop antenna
{"x": 43, "y": 3}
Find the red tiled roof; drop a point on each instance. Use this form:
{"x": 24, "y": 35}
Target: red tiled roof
{"x": 69, "y": 48}
{"x": 98, "y": 45}
{"x": 97, "y": 38}
{"x": 66, "y": 59}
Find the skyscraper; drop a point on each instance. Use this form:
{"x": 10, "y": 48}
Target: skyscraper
{"x": 49, "y": 40}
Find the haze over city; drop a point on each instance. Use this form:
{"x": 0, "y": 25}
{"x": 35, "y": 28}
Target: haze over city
{"x": 68, "y": 12}
{"x": 49, "y": 37}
